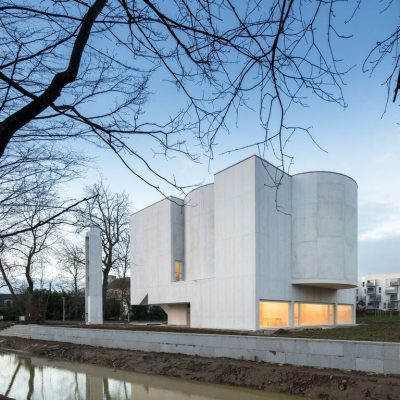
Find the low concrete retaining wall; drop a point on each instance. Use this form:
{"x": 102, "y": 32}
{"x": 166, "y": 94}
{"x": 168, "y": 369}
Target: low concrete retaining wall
{"x": 376, "y": 357}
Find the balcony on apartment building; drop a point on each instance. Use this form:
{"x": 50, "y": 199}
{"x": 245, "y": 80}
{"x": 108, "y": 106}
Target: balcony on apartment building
{"x": 391, "y": 290}
{"x": 374, "y": 298}
{"x": 393, "y": 305}
{"x": 395, "y": 282}
{"x": 371, "y": 283}
{"x": 373, "y": 302}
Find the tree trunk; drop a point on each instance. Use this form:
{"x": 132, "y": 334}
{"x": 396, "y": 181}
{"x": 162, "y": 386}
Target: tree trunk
{"x": 6, "y": 280}
{"x": 106, "y": 271}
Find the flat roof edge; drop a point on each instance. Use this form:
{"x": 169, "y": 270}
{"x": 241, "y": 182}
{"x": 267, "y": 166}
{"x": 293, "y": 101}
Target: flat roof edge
{"x": 248, "y": 158}
{"x": 263, "y": 160}
{"x": 199, "y": 187}
{"x": 326, "y": 172}
{"x": 168, "y": 198}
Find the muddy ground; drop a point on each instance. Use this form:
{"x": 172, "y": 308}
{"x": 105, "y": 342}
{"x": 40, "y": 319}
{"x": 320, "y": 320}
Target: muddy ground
{"x": 311, "y": 382}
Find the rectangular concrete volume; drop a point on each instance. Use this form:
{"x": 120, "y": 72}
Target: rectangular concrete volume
{"x": 378, "y": 357}
{"x": 239, "y": 254}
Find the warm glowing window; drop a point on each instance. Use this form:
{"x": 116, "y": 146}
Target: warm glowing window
{"x": 178, "y": 272}
{"x": 274, "y": 314}
{"x": 344, "y": 314}
{"x": 309, "y": 314}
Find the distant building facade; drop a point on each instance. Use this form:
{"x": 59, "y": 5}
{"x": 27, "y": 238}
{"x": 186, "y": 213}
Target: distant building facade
{"x": 379, "y": 292}
{"x": 241, "y": 254}
{"x": 5, "y": 299}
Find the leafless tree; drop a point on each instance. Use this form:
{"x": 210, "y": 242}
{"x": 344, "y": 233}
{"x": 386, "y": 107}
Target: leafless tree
{"x": 122, "y": 268}
{"x": 71, "y": 261}
{"x": 23, "y": 253}
{"x": 110, "y": 212}
{"x": 29, "y": 169}
{"x": 8, "y": 273}
{"x": 29, "y": 205}
{"x": 386, "y": 54}
{"x": 60, "y": 57}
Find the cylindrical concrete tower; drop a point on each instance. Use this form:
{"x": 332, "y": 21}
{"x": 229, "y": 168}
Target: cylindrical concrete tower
{"x": 199, "y": 233}
{"x": 324, "y": 230}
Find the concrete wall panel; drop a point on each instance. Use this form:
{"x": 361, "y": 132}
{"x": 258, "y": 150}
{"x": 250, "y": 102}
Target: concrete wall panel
{"x": 324, "y": 227}
{"x": 199, "y": 233}
{"x": 273, "y": 233}
{"x": 361, "y": 356}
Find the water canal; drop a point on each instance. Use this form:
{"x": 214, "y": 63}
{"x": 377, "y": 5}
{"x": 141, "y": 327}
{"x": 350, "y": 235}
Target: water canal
{"x": 23, "y": 377}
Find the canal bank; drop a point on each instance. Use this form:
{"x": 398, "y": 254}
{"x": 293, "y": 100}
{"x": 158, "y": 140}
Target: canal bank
{"x": 328, "y": 384}
{"x": 377, "y": 357}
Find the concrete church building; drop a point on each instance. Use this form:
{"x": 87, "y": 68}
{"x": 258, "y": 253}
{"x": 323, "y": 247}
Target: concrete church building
{"x": 239, "y": 254}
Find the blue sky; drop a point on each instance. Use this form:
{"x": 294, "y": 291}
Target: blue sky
{"x": 359, "y": 140}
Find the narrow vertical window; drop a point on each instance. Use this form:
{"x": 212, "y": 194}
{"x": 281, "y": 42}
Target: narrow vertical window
{"x": 178, "y": 272}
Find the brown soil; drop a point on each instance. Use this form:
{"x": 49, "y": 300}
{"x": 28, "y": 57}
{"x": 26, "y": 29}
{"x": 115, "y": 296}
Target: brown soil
{"x": 327, "y": 384}
{"x": 150, "y": 327}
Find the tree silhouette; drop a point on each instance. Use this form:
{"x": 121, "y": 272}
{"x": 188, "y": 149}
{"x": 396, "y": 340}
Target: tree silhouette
{"x": 59, "y": 58}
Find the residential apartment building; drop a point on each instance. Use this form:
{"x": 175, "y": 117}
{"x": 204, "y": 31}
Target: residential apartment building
{"x": 379, "y": 292}
{"x": 242, "y": 253}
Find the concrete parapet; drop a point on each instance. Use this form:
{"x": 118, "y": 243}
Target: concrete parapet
{"x": 378, "y": 357}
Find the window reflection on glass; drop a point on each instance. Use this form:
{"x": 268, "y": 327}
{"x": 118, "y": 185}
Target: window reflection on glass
{"x": 311, "y": 314}
{"x": 178, "y": 271}
{"x": 274, "y": 314}
{"x": 344, "y": 314}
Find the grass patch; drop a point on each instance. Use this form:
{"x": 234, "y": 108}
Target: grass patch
{"x": 368, "y": 330}
{"x": 370, "y": 318}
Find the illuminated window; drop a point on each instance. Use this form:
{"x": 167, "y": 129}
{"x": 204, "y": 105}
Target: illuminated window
{"x": 310, "y": 314}
{"x": 344, "y": 314}
{"x": 274, "y": 314}
{"x": 178, "y": 271}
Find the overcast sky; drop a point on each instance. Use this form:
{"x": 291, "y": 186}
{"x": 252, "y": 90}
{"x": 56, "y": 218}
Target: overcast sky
{"x": 360, "y": 141}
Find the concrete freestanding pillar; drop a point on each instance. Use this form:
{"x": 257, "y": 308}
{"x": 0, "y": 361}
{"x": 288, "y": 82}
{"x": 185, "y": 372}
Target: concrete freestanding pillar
{"x": 93, "y": 290}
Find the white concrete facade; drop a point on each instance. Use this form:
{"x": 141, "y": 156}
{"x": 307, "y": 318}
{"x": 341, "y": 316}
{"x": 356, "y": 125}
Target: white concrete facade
{"x": 243, "y": 244}
{"x": 93, "y": 278}
{"x": 379, "y": 292}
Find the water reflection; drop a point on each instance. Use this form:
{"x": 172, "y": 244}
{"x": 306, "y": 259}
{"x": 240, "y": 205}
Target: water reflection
{"x": 36, "y": 378}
